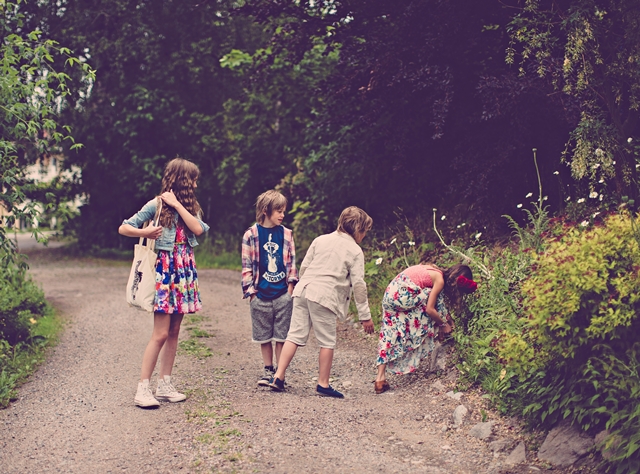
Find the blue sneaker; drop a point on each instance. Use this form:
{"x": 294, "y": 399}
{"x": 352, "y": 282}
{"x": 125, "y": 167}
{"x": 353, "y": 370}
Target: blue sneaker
{"x": 328, "y": 392}
{"x": 276, "y": 384}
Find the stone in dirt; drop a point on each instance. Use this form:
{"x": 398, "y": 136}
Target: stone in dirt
{"x": 599, "y": 441}
{"x": 437, "y": 386}
{"x": 517, "y": 456}
{"x": 503, "y": 444}
{"x": 482, "y": 430}
{"x": 459, "y": 415}
{"x": 455, "y": 396}
{"x": 564, "y": 445}
{"x": 438, "y": 358}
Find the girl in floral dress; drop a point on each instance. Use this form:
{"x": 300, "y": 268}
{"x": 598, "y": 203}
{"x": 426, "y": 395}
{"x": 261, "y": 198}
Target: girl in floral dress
{"x": 412, "y": 308}
{"x": 176, "y": 275}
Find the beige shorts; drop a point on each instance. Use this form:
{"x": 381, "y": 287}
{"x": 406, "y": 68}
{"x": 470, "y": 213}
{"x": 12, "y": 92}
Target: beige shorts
{"x": 307, "y": 314}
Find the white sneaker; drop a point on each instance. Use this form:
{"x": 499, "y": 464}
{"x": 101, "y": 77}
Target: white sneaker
{"x": 166, "y": 392}
{"x": 144, "y": 397}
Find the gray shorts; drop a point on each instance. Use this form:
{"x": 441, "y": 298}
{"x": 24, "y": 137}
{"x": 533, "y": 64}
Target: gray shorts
{"x": 270, "y": 320}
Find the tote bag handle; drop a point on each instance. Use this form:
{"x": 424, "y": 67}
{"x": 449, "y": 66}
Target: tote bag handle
{"x": 151, "y": 243}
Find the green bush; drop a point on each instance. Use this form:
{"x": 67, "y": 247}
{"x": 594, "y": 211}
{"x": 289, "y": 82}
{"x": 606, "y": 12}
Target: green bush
{"x": 578, "y": 356}
{"x": 21, "y": 303}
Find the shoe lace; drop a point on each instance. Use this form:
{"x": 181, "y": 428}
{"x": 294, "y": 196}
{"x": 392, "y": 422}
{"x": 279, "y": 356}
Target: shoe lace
{"x": 170, "y": 388}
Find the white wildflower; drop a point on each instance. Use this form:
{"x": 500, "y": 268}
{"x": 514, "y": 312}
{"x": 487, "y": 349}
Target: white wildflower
{"x": 584, "y": 223}
{"x": 595, "y": 214}
{"x": 599, "y": 152}
{"x": 529, "y": 195}
{"x": 463, "y": 224}
{"x": 458, "y": 226}
{"x": 478, "y": 235}
{"x": 593, "y": 194}
{"x": 581, "y": 200}
{"x": 613, "y": 162}
{"x": 629, "y": 140}
{"x": 568, "y": 198}
{"x": 600, "y": 197}
{"x": 601, "y": 180}
{"x": 443, "y": 218}
{"x": 556, "y": 172}
{"x": 378, "y": 261}
{"x": 545, "y": 198}
{"x": 519, "y": 206}
{"x": 411, "y": 244}
{"x": 596, "y": 166}
{"x": 393, "y": 241}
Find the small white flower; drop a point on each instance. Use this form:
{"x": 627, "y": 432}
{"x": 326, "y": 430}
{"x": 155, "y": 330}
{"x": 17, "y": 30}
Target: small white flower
{"x": 595, "y": 214}
{"x": 556, "y": 172}
{"x": 463, "y": 224}
{"x": 599, "y": 152}
{"x": 593, "y": 194}
{"x": 443, "y": 218}
{"x": 596, "y": 166}
{"x": 581, "y": 200}
{"x": 584, "y": 223}
{"x": 638, "y": 165}
{"x": 600, "y": 197}
{"x": 393, "y": 241}
{"x": 529, "y": 195}
{"x": 458, "y": 226}
{"x": 613, "y": 162}
{"x": 601, "y": 180}
{"x": 519, "y": 206}
{"x": 545, "y": 198}
{"x": 378, "y": 261}
{"x": 478, "y": 235}
{"x": 629, "y": 140}
{"x": 411, "y": 244}
{"x": 568, "y": 198}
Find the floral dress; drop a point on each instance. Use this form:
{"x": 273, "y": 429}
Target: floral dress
{"x": 177, "y": 278}
{"x": 407, "y": 333}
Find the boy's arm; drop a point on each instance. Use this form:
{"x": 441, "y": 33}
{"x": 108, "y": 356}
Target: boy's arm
{"x": 247, "y": 267}
{"x": 356, "y": 275}
{"x": 308, "y": 258}
{"x": 292, "y": 277}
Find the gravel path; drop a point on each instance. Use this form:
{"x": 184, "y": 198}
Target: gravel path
{"x": 76, "y": 415}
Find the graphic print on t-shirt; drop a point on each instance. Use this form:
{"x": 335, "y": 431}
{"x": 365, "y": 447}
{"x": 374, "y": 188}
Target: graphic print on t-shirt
{"x": 272, "y": 275}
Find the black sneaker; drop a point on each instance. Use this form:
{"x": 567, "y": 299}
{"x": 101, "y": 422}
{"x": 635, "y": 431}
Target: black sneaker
{"x": 328, "y": 392}
{"x": 276, "y": 384}
{"x": 269, "y": 372}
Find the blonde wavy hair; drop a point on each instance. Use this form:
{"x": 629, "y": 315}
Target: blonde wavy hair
{"x": 180, "y": 176}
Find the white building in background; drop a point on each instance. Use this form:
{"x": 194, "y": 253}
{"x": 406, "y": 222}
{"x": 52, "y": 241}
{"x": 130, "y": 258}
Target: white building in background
{"x": 45, "y": 171}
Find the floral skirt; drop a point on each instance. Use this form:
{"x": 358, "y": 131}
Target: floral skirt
{"x": 177, "y": 281}
{"x": 407, "y": 334}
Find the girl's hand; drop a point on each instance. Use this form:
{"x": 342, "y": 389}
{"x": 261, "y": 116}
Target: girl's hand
{"x": 152, "y": 232}
{"x": 170, "y": 199}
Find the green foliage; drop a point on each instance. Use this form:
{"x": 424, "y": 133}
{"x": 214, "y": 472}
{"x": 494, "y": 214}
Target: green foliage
{"x": 21, "y": 303}
{"x": 577, "y": 355}
{"x": 222, "y": 253}
{"x": 31, "y": 91}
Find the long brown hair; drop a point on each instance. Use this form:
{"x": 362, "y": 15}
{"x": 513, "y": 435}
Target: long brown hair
{"x": 451, "y": 275}
{"x": 180, "y": 176}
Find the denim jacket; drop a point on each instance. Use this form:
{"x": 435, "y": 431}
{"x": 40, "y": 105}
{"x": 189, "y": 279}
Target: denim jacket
{"x": 168, "y": 237}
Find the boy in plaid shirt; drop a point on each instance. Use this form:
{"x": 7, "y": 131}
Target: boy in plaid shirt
{"x": 268, "y": 277}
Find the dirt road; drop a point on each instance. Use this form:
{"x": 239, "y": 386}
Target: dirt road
{"x": 76, "y": 415}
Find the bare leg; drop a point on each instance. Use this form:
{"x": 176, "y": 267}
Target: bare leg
{"x": 324, "y": 361}
{"x": 267, "y": 353}
{"x": 278, "y": 351}
{"x": 161, "y": 323}
{"x": 288, "y": 351}
{"x": 170, "y": 346}
{"x": 381, "y": 373}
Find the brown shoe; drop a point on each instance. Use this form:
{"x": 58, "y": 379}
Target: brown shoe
{"x": 382, "y": 386}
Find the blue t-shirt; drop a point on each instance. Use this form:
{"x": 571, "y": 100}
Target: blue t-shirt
{"x": 273, "y": 276}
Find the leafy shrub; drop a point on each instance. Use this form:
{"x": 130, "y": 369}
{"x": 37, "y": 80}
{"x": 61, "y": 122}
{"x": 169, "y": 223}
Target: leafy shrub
{"x": 21, "y": 303}
{"x": 578, "y": 357}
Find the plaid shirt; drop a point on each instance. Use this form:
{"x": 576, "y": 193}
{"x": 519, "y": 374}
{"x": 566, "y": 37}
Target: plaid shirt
{"x": 251, "y": 259}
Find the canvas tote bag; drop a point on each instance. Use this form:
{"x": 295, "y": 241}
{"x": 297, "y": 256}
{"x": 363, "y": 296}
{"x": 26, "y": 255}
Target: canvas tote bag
{"x": 141, "y": 287}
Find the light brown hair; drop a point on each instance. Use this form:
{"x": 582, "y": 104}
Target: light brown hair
{"x": 180, "y": 176}
{"x": 268, "y": 202}
{"x": 354, "y": 220}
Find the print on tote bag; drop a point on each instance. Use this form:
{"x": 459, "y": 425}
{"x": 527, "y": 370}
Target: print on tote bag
{"x": 141, "y": 287}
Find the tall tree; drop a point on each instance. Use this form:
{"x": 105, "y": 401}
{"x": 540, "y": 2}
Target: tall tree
{"x": 590, "y": 49}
